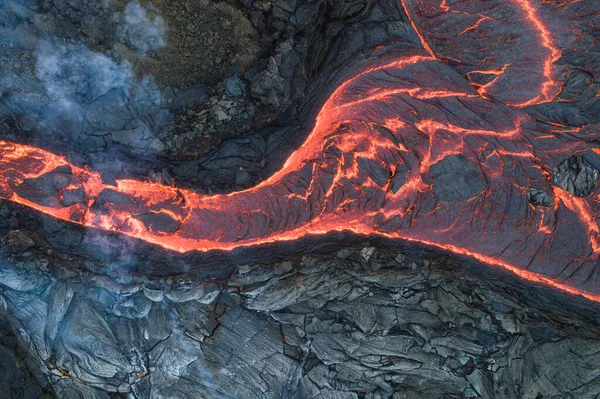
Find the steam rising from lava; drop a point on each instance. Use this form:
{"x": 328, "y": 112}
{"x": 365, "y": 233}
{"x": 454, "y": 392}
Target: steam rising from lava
{"x": 57, "y": 84}
{"x": 406, "y": 149}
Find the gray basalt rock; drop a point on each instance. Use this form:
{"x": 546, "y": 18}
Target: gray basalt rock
{"x": 268, "y": 86}
{"x": 108, "y": 112}
{"x": 325, "y": 326}
{"x": 234, "y": 86}
{"x": 188, "y": 98}
{"x": 456, "y": 179}
{"x": 538, "y": 197}
{"x": 576, "y": 176}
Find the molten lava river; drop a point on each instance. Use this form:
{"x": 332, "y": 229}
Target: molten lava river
{"x": 434, "y": 146}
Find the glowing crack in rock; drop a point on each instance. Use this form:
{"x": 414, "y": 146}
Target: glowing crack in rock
{"x": 457, "y": 30}
{"x": 407, "y": 149}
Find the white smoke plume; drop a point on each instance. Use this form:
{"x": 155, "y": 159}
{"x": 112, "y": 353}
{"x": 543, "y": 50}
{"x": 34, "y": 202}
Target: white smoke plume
{"x": 51, "y": 79}
{"x": 142, "y": 31}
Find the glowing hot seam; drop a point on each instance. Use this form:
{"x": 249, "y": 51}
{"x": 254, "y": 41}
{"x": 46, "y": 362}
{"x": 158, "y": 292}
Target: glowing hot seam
{"x": 368, "y": 166}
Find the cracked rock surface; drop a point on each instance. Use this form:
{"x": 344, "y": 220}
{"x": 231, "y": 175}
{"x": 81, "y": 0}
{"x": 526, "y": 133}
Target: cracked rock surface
{"x": 575, "y": 175}
{"x": 364, "y": 321}
{"x": 359, "y": 323}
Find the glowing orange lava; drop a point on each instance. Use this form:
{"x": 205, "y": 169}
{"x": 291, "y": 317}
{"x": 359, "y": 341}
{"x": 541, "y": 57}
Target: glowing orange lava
{"x": 546, "y": 41}
{"x": 417, "y": 31}
{"x": 406, "y": 149}
{"x": 440, "y": 32}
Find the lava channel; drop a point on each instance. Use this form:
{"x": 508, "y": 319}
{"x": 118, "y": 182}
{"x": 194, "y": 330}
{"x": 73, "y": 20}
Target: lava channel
{"x": 407, "y": 149}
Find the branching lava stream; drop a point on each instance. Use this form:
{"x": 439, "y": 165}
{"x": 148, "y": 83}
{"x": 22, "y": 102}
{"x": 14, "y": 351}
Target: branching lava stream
{"x": 409, "y": 149}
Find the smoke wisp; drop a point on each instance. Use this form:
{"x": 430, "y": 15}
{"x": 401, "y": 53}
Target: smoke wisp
{"x": 55, "y": 85}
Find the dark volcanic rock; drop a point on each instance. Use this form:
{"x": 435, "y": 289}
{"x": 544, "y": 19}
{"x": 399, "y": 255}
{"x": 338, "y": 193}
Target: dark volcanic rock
{"x": 371, "y": 321}
{"x": 43, "y": 190}
{"x": 235, "y": 161}
{"x": 456, "y": 179}
{"x": 160, "y": 222}
{"x": 16, "y": 381}
{"x": 367, "y": 323}
{"x": 190, "y": 97}
{"x": 269, "y": 86}
{"x": 378, "y": 173}
{"x": 114, "y": 197}
{"x": 109, "y": 112}
{"x": 18, "y": 242}
{"x": 538, "y": 197}
{"x": 575, "y": 175}
{"x": 71, "y": 197}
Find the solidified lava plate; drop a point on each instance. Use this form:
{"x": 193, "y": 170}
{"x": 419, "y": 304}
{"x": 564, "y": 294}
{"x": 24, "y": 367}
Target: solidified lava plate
{"x": 433, "y": 146}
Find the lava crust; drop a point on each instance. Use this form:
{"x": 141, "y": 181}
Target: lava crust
{"x": 432, "y": 146}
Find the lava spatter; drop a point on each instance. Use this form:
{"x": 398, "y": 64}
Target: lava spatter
{"x": 407, "y": 149}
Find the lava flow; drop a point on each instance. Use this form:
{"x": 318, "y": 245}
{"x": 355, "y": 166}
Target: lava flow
{"x": 407, "y": 149}
{"x": 458, "y": 31}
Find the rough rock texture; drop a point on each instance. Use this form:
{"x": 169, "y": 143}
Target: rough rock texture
{"x": 538, "y": 197}
{"x": 87, "y": 315}
{"x": 455, "y": 178}
{"x": 575, "y": 175}
{"x": 473, "y": 203}
{"x": 364, "y": 322}
{"x": 207, "y": 39}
